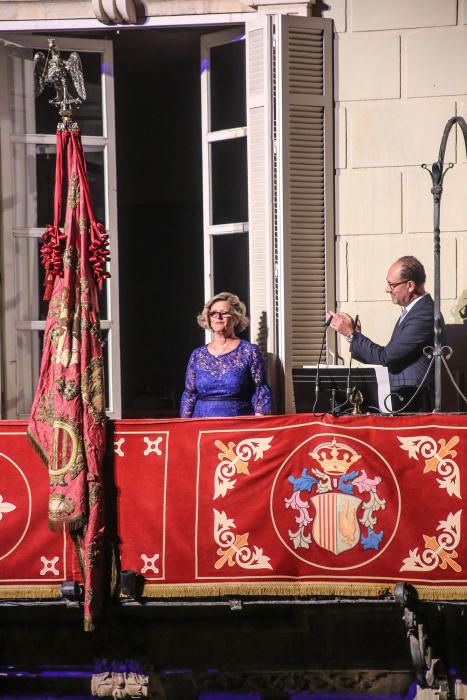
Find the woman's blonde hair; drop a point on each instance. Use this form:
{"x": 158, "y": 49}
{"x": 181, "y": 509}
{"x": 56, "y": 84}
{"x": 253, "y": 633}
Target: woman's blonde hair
{"x": 237, "y": 308}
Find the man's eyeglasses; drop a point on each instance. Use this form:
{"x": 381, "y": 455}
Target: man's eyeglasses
{"x": 219, "y": 314}
{"x": 393, "y": 285}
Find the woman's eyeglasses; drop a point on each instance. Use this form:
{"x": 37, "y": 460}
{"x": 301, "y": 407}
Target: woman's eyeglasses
{"x": 219, "y": 314}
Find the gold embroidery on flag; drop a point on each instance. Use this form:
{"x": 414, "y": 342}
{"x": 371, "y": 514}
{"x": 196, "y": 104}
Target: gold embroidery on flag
{"x": 67, "y": 455}
{"x": 92, "y": 388}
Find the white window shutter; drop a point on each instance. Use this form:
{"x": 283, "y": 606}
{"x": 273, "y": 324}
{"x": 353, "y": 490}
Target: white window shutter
{"x": 305, "y": 177}
{"x": 258, "y": 31}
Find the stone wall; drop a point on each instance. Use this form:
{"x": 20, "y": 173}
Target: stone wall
{"x": 399, "y": 76}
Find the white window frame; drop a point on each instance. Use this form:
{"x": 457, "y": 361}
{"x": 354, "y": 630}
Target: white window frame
{"x": 15, "y": 385}
{"x": 273, "y": 294}
{"x": 208, "y": 137}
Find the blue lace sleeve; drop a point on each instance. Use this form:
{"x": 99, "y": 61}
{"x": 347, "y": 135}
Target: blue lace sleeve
{"x": 261, "y": 400}
{"x": 188, "y": 401}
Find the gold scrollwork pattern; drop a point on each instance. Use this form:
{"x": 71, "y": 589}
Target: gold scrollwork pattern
{"x": 73, "y": 191}
{"x": 71, "y": 258}
{"x": 92, "y": 389}
{"x": 234, "y": 459}
{"x": 439, "y": 550}
{"x": 67, "y": 452}
{"x": 46, "y": 408}
{"x": 68, "y": 389}
{"x": 439, "y": 457}
{"x": 234, "y": 548}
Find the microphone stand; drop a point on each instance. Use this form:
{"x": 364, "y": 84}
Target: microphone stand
{"x": 325, "y": 328}
{"x": 352, "y": 396}
{"x": 437, "y": 173}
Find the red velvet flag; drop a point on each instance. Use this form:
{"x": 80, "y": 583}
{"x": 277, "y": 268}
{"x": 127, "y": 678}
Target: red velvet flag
{"x": 67, "y": 424}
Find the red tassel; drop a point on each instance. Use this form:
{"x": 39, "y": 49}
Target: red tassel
{"x": 52, "y": 256}
{"x": 48, "y": 288}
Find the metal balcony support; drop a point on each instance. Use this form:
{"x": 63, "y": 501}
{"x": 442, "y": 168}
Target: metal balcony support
{"x": 437, "y": 173}
{"x": 430, "y": 670}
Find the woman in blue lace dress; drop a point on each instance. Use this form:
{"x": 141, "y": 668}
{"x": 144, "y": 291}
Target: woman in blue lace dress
{"x": 226, "y": 377}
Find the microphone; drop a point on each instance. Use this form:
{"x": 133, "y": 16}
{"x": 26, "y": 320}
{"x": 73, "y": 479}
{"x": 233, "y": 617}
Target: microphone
{"x": 349, "y": 392}
{"x": 327, "y": 322}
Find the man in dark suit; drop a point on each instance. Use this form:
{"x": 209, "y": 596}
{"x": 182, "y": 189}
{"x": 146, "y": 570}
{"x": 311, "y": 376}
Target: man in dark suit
{"x": 403, "y": 355}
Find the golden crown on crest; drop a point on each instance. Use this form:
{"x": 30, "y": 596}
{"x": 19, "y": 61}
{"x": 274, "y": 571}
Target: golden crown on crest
{"x": 335, "y": 458}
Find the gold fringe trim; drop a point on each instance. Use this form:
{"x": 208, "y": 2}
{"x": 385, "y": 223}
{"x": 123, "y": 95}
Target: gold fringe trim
{"x": 193, "y": 590}
{"x": 217, "y": 590}
{"x": 88, "y": 624}
{"x": 75, "y": 536}
{"x": 30, "y": 592}
{"x": 72, "y": 525}
{"x": 38, "y": 447}
{"x": 347, "y": 590}
{"x": 442, "y": 592}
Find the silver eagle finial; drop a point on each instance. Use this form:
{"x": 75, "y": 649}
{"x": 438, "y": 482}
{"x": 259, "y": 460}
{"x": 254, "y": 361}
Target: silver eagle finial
{"x": 52, "y": 70}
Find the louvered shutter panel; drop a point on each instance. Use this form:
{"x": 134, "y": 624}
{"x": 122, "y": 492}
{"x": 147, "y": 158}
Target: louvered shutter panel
{"x": 258, "y": 32}
{"x": 305, "y": 113}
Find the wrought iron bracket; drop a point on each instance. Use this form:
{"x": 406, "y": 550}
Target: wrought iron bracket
{"x": 430, "y": 670}
{"x": 437, "y": 172}
{"x": 72, "y": 593}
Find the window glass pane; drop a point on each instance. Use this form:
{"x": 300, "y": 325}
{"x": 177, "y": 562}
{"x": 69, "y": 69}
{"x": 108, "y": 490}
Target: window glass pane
{"x": 229, "y": 181}
{"x": 106, "y": 339}
{"x": 102, "y": 300}
{"x": 21, "y": 88}
{"x": 34, "y": 169}
{"x": 30, "y": 275}
{"x": 231, "y": 271}
{"x": 24, "y": 190}
{"x": 94, "y": 157}
{"x": 228, "y": 93}
{"x": 29, "y": 350}
{"x": 36, "y": 115}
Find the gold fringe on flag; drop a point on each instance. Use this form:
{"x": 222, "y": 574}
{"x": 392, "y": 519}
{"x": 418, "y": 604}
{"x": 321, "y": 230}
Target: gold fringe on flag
{"x": 345, "y": 590}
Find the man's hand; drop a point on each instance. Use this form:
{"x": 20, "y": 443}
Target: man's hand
{"x": 342, "y": 323}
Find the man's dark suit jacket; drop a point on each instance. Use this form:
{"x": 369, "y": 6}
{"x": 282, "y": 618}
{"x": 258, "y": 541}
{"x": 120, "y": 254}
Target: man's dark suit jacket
{"x": 403, "y": 355}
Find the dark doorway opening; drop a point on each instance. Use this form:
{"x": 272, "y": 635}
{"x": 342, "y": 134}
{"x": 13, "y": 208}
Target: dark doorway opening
{"x": 158, "y": 135}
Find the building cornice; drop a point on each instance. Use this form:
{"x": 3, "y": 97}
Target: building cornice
{"x": 124, "y": 12}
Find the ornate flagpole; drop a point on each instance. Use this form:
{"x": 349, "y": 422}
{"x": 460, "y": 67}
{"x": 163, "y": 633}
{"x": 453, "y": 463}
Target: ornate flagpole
{"x": 64, "y": 76}
{"x": 69, "y": 404}
{"x": 439, "y": 352}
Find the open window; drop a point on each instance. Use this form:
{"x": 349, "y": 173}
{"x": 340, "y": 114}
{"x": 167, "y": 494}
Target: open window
{"x": 28, "y": 128}
{"x": 267, "y": 105}
{"x": 265, "y": 179}
{"x": 225, "y": 163}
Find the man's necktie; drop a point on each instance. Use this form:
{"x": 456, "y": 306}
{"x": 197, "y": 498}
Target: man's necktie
{"x": 403, "y": 315}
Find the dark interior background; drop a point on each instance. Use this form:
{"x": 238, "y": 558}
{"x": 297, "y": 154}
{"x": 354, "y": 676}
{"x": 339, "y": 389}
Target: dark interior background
{"x": 160, "y": 217}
